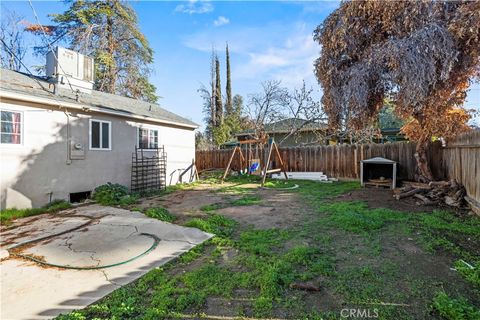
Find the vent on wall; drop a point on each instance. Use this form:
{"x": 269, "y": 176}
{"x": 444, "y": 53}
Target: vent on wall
{"x": 80, "y": 196}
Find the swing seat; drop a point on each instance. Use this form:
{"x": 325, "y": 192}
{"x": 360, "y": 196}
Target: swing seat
{"x": 254, "y": 167}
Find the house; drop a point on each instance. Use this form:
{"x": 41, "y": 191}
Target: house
{"x": 309, "y": 133}
{"x": 60, "y": 138}
{"x": 306, "y": 132}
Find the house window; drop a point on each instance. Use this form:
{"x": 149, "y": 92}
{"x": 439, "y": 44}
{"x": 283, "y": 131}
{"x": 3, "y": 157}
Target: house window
{"x": 11, "y": 127}
{"x": 147, "y": 138}
{"x": 100, "y": 135}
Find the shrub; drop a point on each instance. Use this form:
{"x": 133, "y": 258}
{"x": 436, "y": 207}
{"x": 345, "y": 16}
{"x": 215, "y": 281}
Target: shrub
{"x": 113, "y": 194}
{"x": 160, "y": 214}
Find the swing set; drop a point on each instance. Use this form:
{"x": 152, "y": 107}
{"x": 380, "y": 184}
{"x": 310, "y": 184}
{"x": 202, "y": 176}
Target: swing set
{"x": 257, "y": 162}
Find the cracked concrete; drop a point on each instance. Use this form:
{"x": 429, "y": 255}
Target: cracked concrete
{"x": 33, "y": 291}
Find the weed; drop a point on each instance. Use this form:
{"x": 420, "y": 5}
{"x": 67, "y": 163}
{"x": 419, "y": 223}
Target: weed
{"x": 113, "y": 194}
{"x": 160, "y": 214}
{"x": 454, "y": 309}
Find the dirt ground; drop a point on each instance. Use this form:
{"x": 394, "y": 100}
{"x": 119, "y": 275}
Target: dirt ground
{"x": 399, "y": 255}
{"x": 277, "y": 210}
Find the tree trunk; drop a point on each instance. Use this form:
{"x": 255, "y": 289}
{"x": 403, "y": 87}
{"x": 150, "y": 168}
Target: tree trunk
{"x": 424, "y": 174}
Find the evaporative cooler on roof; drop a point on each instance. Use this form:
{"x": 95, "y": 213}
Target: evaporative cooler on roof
{"x": 378, "y": 172}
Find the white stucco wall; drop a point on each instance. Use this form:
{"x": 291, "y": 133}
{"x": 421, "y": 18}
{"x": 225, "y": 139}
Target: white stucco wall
{"x": 39, "y": 169}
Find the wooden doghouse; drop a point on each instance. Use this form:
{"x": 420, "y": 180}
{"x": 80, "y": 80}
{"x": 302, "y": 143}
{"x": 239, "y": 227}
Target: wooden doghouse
{"x": 378, "y": 172}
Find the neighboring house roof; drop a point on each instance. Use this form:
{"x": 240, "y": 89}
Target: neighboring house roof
{"x": 23, "y": 85}
{"x": 286, "y": 125}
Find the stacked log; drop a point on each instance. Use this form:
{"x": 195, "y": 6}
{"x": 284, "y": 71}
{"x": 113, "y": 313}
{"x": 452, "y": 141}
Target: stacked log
{"x": 434, "y": 193}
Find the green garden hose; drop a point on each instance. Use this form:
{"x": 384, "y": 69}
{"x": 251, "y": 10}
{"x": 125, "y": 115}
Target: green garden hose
{"x": 156, "y": 241}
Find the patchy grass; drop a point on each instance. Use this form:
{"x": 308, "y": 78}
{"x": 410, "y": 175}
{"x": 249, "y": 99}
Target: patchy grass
{"x": 160, "y": 214}
{"x": 454, "y": 309}
{"x": 210, "y": 207}
{"x": 246, "y": 200}
{"x": 353, "y": 252}
{"x": 219, "y": 225}
{"x": 471, "y": 274}
{"x": 279, "y": 184}
{"x": 7, "y": 215}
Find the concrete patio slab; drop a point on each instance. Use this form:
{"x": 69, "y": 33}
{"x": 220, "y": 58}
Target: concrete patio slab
{"x": 102, "y": 236}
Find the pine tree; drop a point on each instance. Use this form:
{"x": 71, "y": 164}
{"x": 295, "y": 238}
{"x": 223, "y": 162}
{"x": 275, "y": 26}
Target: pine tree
{"x": 218, "y": 94}
{"x": 228, "y": 105}
{"x": 108, "y": 31}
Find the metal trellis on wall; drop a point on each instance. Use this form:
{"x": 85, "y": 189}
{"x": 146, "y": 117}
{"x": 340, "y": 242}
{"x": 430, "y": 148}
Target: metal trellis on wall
{"x": 149, "y": 168}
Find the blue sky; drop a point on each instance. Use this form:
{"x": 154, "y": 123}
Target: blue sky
{"x": 267, "y": 40}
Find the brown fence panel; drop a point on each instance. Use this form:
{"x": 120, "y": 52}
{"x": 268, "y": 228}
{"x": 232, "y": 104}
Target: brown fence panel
{"x": 459, "y": 160}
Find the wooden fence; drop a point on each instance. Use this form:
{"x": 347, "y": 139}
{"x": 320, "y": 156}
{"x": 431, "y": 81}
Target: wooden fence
{"x": 459, "y": 160}
{"x": 340, "y": 161}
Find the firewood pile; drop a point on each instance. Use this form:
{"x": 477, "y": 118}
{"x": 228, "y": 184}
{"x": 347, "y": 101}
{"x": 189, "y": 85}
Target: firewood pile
{"x": 434, "y": 193}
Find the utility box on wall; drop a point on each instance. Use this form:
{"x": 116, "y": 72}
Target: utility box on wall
{"x": 378, "y": 172}
{"x": 77, "y": 150}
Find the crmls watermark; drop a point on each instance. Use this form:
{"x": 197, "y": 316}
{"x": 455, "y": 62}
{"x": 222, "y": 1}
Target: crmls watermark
{"x": 359, "y": 313}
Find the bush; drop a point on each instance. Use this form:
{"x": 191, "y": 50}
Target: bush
{"x": 160, "y": 214}
{"x": 113, "y": 194}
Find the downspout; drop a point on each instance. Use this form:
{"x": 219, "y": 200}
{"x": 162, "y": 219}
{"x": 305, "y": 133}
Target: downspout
{"x": 68, "y": 160}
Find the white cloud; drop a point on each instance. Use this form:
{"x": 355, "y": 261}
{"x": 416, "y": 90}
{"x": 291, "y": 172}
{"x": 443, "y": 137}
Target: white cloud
{"x": 221, "y": 21}
{"x": 284, "y": 52}
{"x": 195, "y": 6}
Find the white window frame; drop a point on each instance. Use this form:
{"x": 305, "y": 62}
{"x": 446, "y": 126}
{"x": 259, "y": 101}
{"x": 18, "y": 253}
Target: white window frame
{"x": 101, "y": 133}
{"x": 22, "y": 132}
{"x": 148, "y": 141}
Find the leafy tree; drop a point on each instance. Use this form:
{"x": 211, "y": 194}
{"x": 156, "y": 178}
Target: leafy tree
{"x": 13, "y": 47}
{"x": 109, "y": 32}
{"x": 234, "y": 119}
{"x": 201, "y": 141}
{"x": 387, "y": 117}
{"x": 221, "y": 133}
{"x": 420, "y": 54}
{"x": 228, "y": 104}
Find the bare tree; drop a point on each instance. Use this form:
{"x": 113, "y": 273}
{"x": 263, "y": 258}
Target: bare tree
{"x": 266, "y": 106}
{"x": 12, "y": 33}
{"x": 303, "y": 111}
{"x": 275, "y": 103}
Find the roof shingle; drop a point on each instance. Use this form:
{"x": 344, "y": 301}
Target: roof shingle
{"x": 18, "y": 82}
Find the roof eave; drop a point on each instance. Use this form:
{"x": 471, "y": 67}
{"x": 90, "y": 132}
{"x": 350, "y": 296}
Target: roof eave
{"x": 80, "y": 106}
